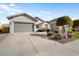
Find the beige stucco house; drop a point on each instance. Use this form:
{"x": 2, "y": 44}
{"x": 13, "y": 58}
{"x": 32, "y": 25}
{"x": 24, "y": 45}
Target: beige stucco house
{"x": 41, "y": 25}
{"x": 22, "y": 23}
{"x": 53, "y": 25}
{"x": 26, "y": 23}
{"x": 39, "y": 21}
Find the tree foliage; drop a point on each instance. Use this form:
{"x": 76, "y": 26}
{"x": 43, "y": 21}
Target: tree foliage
{"x": 75, "y": 23}
{"x": 65, "y": 20}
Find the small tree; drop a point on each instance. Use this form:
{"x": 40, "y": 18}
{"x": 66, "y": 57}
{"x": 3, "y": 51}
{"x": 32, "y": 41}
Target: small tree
{"x": 64, "y": 21}
{"x": 75, "y": 23}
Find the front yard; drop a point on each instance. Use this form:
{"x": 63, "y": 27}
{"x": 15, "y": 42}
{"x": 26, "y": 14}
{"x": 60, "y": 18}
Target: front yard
{"x": 76, "y": 36}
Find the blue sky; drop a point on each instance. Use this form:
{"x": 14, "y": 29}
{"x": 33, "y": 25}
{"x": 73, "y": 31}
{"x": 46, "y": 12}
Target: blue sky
{"x": 46, "y": 11}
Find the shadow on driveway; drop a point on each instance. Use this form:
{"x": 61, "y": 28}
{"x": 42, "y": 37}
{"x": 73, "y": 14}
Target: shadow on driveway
{"x": 39, "y": 35}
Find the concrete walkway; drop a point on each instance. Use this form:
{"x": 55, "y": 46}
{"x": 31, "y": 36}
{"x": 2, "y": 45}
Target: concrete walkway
{"x": 24, "y": 44}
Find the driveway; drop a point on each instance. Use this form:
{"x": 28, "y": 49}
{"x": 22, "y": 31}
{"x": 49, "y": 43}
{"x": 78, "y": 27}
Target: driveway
{"x": 25, "y": 44}
{"x": 3, "y": 36}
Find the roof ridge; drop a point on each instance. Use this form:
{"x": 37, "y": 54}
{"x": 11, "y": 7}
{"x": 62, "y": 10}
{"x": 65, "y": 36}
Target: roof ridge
{"x": 20, "y": 14}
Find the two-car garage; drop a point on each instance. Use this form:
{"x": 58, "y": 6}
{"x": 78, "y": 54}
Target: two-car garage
{"x": 22, "y": 23}
{"x": 23, "y": 27}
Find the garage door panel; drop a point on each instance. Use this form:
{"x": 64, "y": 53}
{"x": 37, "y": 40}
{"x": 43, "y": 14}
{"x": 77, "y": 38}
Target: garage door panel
{"x": 23, "y": 27}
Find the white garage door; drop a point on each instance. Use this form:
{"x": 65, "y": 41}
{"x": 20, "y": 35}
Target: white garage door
{"x": 23, "y": 27}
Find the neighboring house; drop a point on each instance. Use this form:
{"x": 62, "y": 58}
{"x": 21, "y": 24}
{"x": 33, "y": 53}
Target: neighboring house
{"x": 41, "y": 25}
{"x": 53, "y": 25}
{"x": 22, "y": 23}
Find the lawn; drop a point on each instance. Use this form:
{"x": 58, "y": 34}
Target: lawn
{"x": 76, "y": 36}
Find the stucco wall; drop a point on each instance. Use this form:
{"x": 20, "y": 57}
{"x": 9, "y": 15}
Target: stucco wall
{"x": 22, "y": 19}
{"x": 53, "y": 26}
{"x": 25, "y": 19}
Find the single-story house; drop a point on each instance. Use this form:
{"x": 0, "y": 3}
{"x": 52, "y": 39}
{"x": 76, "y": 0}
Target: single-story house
{"x": 44, "y": 26}
{"x": 22, "y": 23}
{"x": 53, "y": 25}
{"x": 26, "y": 23}
{"x": 39, "y": 21}
{"x": 41, "y": 24}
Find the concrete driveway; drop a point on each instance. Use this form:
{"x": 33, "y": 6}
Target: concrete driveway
{"x": 3, "y": 36}
{"x": 25, "y": 44}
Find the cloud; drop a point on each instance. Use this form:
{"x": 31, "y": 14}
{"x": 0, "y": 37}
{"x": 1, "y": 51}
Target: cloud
{"x": 49, "y": 17}
{"x": 4, "y": 8}
{"x": 12, "y": 4}
{"x": 9, "y": 8}
{"x": 45, "y": 12}
{"x": 16, "y": 10}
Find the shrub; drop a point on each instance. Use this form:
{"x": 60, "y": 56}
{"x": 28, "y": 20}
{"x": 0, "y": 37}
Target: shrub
{"x": 49, "y": 34}
{"x": 76, "y": 23}
{"x": 69, "y": 30}
{"x": 57, "y": 36}
{"x": 56, "y": 31}
{"x": 73, "y": 30}
{"x": 69, "y": 35}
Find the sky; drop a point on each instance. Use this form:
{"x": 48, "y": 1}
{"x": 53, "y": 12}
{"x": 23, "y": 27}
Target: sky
{"x": 45, "y": 11}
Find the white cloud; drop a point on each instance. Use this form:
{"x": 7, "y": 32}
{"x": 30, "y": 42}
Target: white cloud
{"x": 16, "y": 10}
{"x": 49, "y": 17}
{"x": 7, "y": 8}
{"x": 12, "y": 4}
{"x": 45, "y": 12}
{"x": 4, "y": 8}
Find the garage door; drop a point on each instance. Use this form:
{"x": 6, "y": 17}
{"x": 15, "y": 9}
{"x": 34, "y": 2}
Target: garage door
{"x": 23, "y": 27}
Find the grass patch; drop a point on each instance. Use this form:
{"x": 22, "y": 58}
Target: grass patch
{"x": 76, "y": 36}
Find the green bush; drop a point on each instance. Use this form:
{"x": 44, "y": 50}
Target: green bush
{"x": 49, "y": 34}
{"x": 69, "y": 35}
{"x": 73, "y": 30}
{"x": 69, "y": 30}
